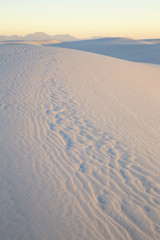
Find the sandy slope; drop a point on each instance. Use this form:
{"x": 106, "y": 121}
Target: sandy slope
{"x": 79, "y": 146}
{"x": 124, "y": 48}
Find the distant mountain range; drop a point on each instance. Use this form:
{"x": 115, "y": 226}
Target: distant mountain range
{"x": 39, "y": 36}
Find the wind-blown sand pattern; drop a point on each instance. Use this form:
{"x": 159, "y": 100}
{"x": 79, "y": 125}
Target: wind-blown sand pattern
{"x": 79, "y": 146}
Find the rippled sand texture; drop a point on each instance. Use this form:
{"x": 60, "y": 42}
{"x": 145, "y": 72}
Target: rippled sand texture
{"x": 79, "y": 146}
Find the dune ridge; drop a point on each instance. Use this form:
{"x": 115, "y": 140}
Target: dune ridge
{"x": 145, "y": 51}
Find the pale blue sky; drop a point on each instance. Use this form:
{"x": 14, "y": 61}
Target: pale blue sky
{"x": 85, "y": 18}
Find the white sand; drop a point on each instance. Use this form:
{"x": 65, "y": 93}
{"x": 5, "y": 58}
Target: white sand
{"x": 30, "y": 42}
{"x": 124, "y": 48}
{"x": 79, "y": 146}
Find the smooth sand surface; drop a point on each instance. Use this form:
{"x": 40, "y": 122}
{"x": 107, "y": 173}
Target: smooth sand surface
{"x": 145, "y": 51}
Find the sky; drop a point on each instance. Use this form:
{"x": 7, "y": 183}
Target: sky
{"x": 81, "y": 18}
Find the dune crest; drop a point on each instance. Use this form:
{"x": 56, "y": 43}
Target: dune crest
{"x": 145, "y": 51}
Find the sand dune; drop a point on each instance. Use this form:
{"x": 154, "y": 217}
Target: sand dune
{"x": 79, "y": 146}
{"x": 30, "y": 42}
{"x": 146, "y": 51}
{"x": 152, "y": 41}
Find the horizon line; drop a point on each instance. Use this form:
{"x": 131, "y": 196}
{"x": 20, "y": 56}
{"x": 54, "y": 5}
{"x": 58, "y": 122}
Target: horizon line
{"x": 82, "y": 38}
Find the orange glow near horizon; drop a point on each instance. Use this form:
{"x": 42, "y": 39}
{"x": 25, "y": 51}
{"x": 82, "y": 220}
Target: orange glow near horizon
{"x": 83, "y": 19}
